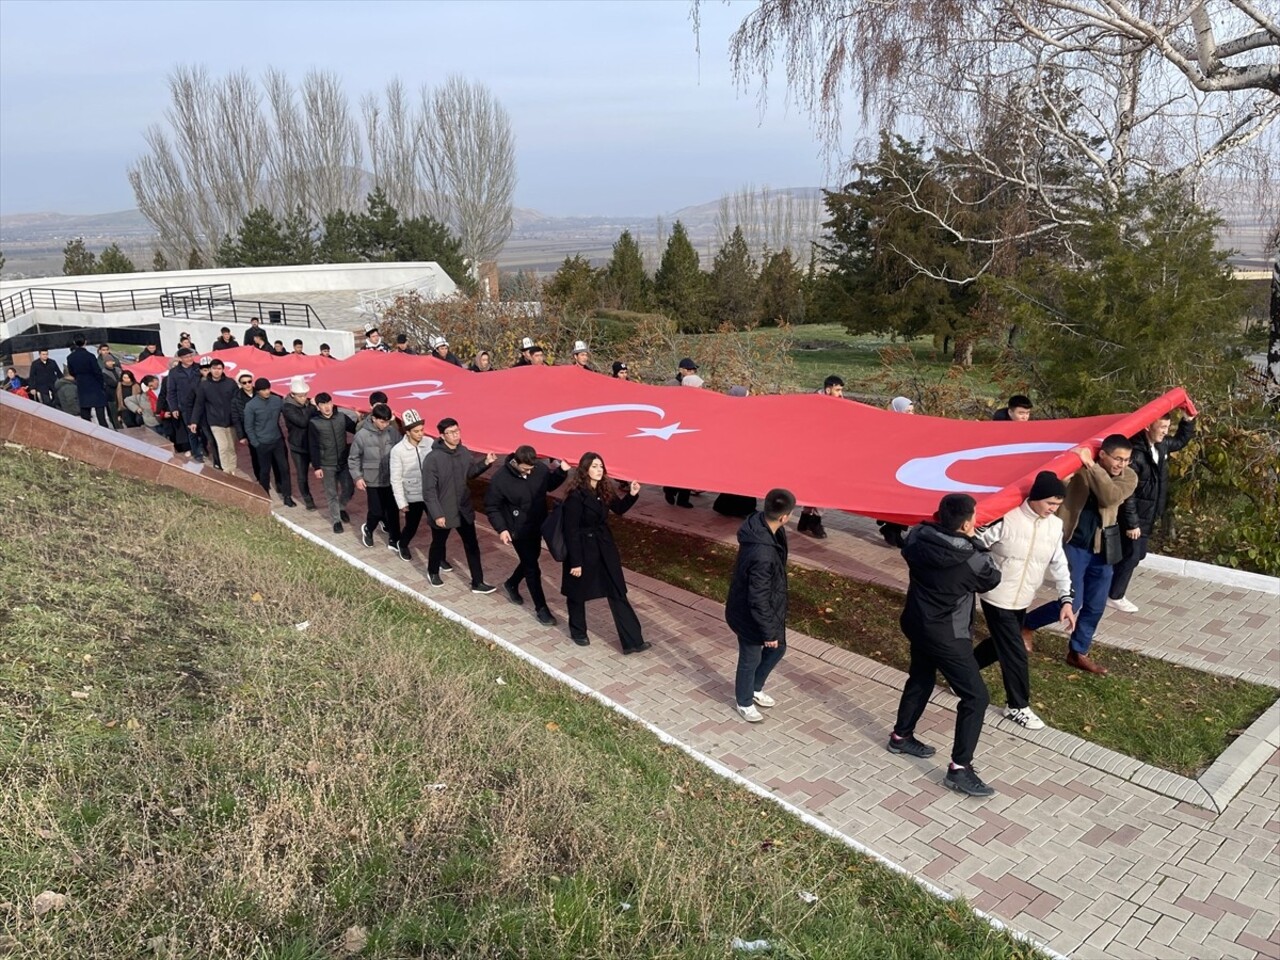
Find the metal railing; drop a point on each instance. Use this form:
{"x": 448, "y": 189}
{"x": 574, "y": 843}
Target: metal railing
{"x": 227, "y": 309}
{"x": 100, "y": 301}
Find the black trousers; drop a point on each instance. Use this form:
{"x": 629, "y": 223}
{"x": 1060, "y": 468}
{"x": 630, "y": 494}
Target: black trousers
{"x": 529, "y": 550}
{"x": 467, "y": 531}
{"x": 302, "y": 468}
{"x": 382, "y": 509}
{"x": 956, "y": 662}
{"x": 1122, "y": 572}
{"x": 676, "y": 494}
{"x": 1005, "y": 645}
{"x": 755, "y": 663}
{"x": 100, "y": 412}
{"x": 417, "y": 510}
{"x": 625, "y": 621}
{"x": 272, "y": 459}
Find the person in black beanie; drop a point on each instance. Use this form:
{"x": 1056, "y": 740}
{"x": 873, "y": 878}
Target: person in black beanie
{"x": 1026, "y": 543}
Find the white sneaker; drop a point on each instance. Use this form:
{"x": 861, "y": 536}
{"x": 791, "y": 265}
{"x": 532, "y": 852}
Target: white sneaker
{"x": 763, "y": 699}
{"x": 750, "y": 714}
{"x": 1124, "y": 605}
{"x": 1026, "y": 717}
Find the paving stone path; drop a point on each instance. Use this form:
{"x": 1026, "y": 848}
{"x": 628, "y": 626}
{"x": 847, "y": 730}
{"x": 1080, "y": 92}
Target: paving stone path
{"x": 1084, "y": 860}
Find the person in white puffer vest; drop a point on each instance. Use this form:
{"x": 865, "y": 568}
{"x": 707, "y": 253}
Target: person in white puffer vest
{"x": 1026, "y": 544}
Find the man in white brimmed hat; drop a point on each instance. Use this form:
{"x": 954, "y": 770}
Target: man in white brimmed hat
{"x": 298, "y": 411}
{"x": 582, "y": 356}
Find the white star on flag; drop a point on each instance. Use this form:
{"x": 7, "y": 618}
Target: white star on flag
{"x": 665, "y": 433}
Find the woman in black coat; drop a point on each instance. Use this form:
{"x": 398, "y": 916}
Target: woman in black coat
{"x": 592, "y": 568}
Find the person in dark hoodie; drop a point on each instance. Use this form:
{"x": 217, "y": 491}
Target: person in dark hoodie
{"x": 445, "y": 473}
{"x": 329, "y": 448}
{"x": 756, "y": 608}
{"x": 241, "y": 398}
{"x": 947, "y": 567}
{"x": 262, "y": 428}
{"x": 213, "y": 412}
{"x": 516, "y": 506}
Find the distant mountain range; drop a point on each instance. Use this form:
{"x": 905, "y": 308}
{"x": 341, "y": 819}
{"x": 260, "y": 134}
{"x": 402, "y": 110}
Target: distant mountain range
{"x": 32, "y": 242}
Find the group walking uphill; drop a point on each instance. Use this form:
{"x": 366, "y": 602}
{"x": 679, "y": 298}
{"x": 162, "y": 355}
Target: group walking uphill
{"x": 1084, "y": 535}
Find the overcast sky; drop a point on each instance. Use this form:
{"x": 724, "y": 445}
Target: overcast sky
{"x": 614, "y": 111}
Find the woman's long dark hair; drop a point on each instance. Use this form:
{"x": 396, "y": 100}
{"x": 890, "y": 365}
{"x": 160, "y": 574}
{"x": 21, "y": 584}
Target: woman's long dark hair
{"x": 605, "y": 490}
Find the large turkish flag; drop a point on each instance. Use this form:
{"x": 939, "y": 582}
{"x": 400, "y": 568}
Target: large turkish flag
{"x": 829, "y": 452}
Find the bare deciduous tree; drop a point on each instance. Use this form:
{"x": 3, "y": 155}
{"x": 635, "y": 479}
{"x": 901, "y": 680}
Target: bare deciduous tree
{"x": 771, "y": 221}
{"x": 227, "y": 150}
{"x": 469, "y": 163}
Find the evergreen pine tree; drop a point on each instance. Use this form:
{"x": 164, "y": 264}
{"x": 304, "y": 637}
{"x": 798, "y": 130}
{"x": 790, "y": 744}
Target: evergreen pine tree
{"x": 625, "y": 279}
{"x": 780, "y": 296}
{"x": 679, "y": 285}
{"x": 733, "y": 283}
{"x": 575, "y": 287}
{"x": 298, "y": 234}
{"x": 113, "y": 260}
{"x": 158, "y": 263}
{"x": 379, "y": 229}
{"x": 77, "y": 259}
{"x": 339, "y": 238}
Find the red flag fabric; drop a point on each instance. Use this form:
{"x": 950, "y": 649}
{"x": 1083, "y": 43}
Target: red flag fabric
{"x": 830, "y": 453}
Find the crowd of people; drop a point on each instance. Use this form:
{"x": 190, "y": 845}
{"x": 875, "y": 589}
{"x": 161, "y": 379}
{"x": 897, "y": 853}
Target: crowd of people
{"x": 1086, "y": 535}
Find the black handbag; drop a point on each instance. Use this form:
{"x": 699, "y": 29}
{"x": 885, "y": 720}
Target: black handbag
{"x": 553, "y": 533}
{"x": 1112, "y": 544}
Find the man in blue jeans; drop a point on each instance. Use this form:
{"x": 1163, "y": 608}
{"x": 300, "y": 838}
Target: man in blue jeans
{"x": 1094, "y": 496}
{"x": 756, "y": 609}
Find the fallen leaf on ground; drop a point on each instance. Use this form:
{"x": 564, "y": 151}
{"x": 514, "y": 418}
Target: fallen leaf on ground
{"x": 552, "y": 726}
{"x": 256, "y": 597}
{"x": 46, "y": 901}
{"x": 355, "y": 939}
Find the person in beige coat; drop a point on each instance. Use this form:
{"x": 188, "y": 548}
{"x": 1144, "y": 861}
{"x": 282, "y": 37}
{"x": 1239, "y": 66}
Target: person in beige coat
{"x": 1092, "y": 542}
{"x": 1026, "y": 544}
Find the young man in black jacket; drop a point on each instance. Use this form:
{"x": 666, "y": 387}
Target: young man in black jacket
{"x": 214, "y": 411}
{"x": 328, "y": 448}
{"x": 756, "y": 608}
{"x": 516, "y": 506}
{"x": 947, "y": 566}
{"x": 1144, "y": 508}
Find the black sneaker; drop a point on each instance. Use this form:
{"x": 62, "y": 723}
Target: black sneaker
{"x": 911, "y": 747}
{"x": 966, "y": 780}
{"x": 365, "y": 536}
{"x": 346, "y": 517}
{"x": 545, "y": 617}
{"x": 311, "y": 504}
{"x": 646, "y": 645}
{"x": 446, "y": 566}
{"x": 816, "y": 529}
{"x": 337, "y": 527}
{"x": 290, "y": 502}
{"x": 512, "y": 593}
{"x": 403, "y": 550}
{"x": 482, "y": 587}
{"x": 434, "y": 579}
{"x": 581, "y": 639}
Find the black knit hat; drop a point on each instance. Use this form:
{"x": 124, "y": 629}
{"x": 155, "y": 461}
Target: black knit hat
{"x": 1047, "y": 485}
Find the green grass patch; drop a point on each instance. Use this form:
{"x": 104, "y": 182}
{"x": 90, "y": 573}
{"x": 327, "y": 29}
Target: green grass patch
{"x": 202, "y": 778}
{"x": 1170, "y": 716}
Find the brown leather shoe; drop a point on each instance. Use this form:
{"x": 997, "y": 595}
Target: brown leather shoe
{"x": 1029, "y": 639}
{"x": 1082, "y": 662}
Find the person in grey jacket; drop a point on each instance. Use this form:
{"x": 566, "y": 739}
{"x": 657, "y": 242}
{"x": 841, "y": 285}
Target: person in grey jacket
{"x": 67, "y": 394}
{"x": 369, "y": 462}
{"x": 445, "y": 473}
{"x": 262, "y": 429}
{"x": 329, "y": 449}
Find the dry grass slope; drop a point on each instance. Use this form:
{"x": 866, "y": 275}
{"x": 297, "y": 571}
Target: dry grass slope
{"x": 201, "y": 778}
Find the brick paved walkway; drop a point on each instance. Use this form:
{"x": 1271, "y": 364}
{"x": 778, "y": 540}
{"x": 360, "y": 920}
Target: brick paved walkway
{"x": 1086, "y": 861}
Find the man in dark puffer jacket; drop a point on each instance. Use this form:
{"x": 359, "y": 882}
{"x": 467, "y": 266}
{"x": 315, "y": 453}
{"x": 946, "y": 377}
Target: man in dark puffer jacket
{"x": 948, "y": 566}
{"x": 516, "y": 505}
{"x": 328, "y": 448}
{"x": 756, "y": 608}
